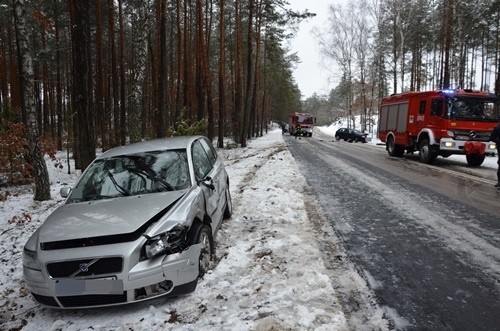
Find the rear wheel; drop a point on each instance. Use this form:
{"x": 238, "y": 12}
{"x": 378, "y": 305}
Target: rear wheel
{"x": 475, "y": 160}
{"x": 393, "y": 149}
{"x": 425, "y": 152}
{"x": 201, "y": 234}
{"x": 337, "y": 137}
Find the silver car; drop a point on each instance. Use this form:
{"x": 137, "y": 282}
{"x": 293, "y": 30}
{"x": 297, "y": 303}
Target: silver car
{"x": 140, "y": 223}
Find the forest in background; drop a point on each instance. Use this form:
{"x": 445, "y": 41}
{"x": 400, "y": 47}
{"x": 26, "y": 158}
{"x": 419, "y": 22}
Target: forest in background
{"x": 110, "y": 72}
{"x": 380, "y": 47}
{"x": 83, "y": 75}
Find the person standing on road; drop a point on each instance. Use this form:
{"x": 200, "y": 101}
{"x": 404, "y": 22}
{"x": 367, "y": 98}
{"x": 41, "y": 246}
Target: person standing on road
{"x": 298, "y": 131}
{"x": 495, "y": 137}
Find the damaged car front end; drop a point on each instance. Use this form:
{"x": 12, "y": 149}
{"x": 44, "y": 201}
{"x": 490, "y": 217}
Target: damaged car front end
{"x": 139, "y": 224}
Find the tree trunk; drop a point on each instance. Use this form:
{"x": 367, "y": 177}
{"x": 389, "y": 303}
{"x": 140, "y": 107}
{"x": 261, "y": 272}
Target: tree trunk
{"x": 123, "y": 111}
{"x": 81, "y": 96}
{"x": 448, "y": 35}
{"x": 99, "y": 79}
{"x": 42, "y": 184}
{"x": 114, "y": 75}
{"x": 237, "y": 73}
{"x": 222, "y": 55}
{"x": 246, "y": 110}
{"x": 160, "y": 131}
{"x": 59, "y": 106}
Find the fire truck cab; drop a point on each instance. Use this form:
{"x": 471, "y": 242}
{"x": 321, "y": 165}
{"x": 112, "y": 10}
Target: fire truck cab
{"x": 443, "y": 122}
{"x": 303, "y": 120}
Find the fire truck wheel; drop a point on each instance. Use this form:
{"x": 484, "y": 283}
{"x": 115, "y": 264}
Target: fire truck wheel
{"x": 425, "y": 152}
{"x": 393, "y": 149}
{"x": 475, "y": 160}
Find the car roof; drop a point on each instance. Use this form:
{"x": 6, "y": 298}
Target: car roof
{"x": 171, "y": 143}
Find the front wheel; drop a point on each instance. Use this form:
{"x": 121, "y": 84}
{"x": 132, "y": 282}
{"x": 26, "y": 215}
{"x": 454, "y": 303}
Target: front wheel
{"x": 201, "y": 234}
{"x": 475, "y": 160}
{"x": 425, "y": 152}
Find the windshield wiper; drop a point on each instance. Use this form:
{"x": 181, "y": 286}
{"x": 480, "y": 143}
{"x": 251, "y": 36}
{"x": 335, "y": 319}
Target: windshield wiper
{"x": 152, "y": 176}
{"x": 119, "y": 188}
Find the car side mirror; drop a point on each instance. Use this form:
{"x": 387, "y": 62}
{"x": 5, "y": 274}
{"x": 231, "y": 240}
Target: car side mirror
{"x": 65, "y": 191}
{"x": 207, "y": 181}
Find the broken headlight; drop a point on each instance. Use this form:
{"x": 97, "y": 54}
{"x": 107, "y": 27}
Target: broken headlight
{"x": 166, "y": 243}
{"x": 29, "y": 259}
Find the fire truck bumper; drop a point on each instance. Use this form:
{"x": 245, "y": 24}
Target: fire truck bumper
{"x": 306, "y": 130}
{"x": 458, "y": 146}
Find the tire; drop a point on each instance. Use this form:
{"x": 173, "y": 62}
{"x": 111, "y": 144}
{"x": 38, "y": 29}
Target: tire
{"x": 393, "y": 149}
{"x": 475, "y": 160}
{"x": 425, "y": 152}
{"x": 201, "y": 234}
{"x": 228, "y": 211}
{"x": 337, "y": 138}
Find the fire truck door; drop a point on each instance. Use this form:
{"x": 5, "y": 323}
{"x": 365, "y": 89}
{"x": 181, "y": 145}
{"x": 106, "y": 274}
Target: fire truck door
{"x": 436, "y": 111}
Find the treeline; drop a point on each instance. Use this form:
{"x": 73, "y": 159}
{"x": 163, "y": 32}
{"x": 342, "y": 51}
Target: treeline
{"x": 109, "y": 72}
{"x": 381, "y": 47}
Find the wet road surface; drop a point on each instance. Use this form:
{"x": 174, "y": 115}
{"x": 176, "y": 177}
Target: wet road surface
{"x": 426, "y": 239}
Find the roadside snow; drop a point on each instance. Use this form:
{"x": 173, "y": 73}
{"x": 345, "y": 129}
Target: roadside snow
{"x": 277, "y": 264}
{"x": 490, "y": 162}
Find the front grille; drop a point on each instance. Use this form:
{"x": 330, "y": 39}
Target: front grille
{"x": 85, "y": 268}
{"x": 92, "y": 300}
{"x": 44, "y": 300}
{"x": 477, "y": 136}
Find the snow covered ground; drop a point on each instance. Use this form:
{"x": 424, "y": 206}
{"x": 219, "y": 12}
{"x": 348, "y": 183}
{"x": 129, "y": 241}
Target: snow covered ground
{"x": 279, "y": 264}
{"x": 270, "y": 272}
{"x": 489, "y": 162}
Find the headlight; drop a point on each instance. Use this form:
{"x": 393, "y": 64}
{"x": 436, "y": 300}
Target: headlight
{"x": 447, "y": 144}
{"x": 493, "y": 146}
{"x": 166, "y": 243}
{"x": 29, "y": 259}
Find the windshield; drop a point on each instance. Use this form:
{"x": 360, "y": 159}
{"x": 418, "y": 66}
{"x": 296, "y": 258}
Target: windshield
{"x": 460, "y": 108}
{"x": 305, "y": 119}
{"x": 134, "y": 174}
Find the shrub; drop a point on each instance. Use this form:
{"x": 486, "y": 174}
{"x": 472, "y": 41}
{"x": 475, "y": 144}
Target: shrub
{"x": 14, "y": 166}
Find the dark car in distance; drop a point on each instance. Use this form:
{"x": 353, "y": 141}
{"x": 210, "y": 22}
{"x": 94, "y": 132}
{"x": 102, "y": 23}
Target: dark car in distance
{"x": 350, "y": 135}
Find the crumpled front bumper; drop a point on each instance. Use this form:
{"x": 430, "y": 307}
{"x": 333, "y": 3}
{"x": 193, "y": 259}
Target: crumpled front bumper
{"x": 173, "y": 274}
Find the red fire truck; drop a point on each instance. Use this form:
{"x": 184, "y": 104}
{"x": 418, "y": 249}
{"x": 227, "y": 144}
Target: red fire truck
{"x": 442, "y": 122}
{"x": 304, "y": 120}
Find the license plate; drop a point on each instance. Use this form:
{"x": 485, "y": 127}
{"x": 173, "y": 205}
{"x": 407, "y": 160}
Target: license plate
{"x": 66, "y": 287}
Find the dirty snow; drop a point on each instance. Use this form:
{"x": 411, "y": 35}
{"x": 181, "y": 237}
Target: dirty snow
{"x": 279, "y": 265}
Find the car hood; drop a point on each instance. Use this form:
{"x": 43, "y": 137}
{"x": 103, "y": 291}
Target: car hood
{"x": 104, "y": 217}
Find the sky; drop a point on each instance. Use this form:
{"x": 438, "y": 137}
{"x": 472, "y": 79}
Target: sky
{"x": 269, "y": 274}
{"x": 310, "y": 74}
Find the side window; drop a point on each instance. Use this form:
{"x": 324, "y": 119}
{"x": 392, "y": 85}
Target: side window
{"x": 437, "y": 107}
{"x": 209, "y": 149}
{"x": 421, "y": 109}
{"x": 201, "y": 162}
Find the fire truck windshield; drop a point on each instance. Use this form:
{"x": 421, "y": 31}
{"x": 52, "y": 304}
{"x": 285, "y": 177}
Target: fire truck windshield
{"x": 461, "y": 108}
{"x": 305, "y": 119}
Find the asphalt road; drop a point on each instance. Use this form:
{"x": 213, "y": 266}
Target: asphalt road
{"x": 425, "y": 238}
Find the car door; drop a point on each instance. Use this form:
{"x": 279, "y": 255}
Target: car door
{"x": 208, "y": 175}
